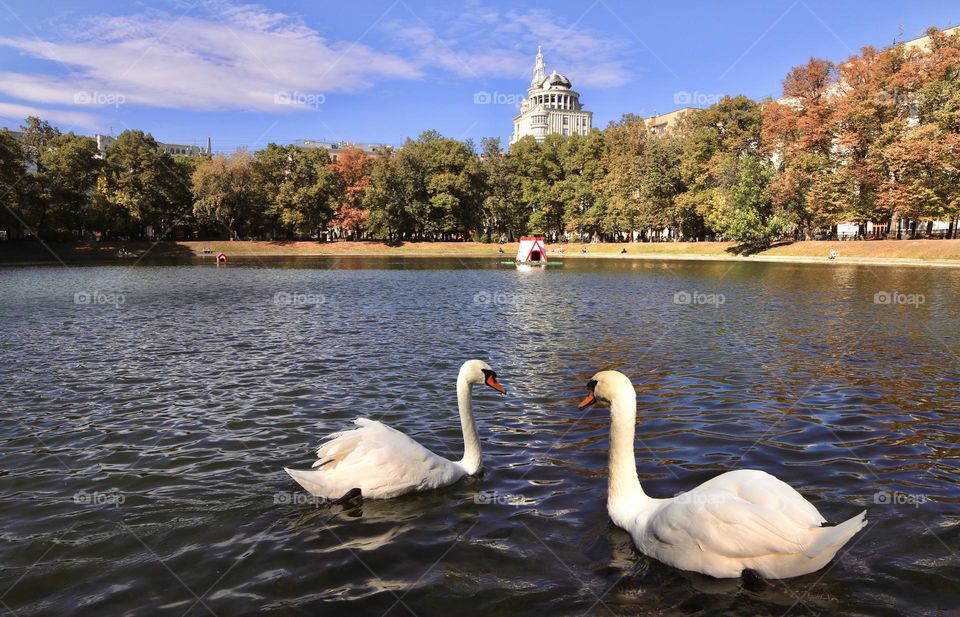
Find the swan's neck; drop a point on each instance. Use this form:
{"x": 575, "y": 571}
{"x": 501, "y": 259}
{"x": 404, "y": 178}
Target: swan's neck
{"x": 471, "y": 461}
{"x": 625, "y": 497}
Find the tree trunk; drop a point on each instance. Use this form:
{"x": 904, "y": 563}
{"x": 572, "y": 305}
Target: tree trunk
{"x": 894, "y": 223}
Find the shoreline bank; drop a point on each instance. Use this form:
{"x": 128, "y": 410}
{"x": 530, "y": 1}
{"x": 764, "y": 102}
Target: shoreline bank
{"x": 936, "y": 253}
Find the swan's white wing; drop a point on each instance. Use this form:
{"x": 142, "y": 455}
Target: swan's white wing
{"x": 765, "y": 490}
{"x": 739, "y": 515}
{"x": 382, "y": 462}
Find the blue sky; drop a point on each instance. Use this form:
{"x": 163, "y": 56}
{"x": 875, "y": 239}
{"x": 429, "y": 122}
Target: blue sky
{"x": 378, "y": 71}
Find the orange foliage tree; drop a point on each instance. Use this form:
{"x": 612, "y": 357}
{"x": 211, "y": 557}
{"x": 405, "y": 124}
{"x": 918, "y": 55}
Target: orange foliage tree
{"x": 354, "y": 166}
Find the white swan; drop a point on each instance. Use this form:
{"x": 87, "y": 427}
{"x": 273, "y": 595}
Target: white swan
{"x": 378, "y": 462}
{"x": 740, "y": 520}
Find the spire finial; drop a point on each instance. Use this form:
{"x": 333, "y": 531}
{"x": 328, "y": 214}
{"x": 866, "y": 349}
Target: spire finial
{"x": 539, "y": 71}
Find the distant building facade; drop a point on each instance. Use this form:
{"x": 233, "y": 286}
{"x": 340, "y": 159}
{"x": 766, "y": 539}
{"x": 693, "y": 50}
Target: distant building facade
{"x": 336, "y": 148}
{"x": 105, "y": 141}
{"x": 552, "y": 107}
{"x": 666, "y": 123}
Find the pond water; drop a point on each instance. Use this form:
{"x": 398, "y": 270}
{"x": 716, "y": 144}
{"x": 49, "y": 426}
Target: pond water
{"x": 149, "y": 409}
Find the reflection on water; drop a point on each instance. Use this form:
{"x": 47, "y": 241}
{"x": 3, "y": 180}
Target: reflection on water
{"x": 143, "y": 441}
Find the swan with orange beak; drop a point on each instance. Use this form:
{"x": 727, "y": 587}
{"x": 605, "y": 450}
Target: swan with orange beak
{"x": 378, "y": 462}
{"x": 738, "y": 521}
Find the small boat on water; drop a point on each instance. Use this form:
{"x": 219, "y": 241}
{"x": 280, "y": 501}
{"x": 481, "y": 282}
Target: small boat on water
{"x": 531, "y": 252}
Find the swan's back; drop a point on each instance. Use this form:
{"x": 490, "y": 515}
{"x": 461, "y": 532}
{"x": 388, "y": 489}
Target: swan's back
{"x": 382, "y": 462}
{"x": 741, "y": 520}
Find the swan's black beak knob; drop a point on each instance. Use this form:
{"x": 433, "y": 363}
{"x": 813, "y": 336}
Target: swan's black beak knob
{"x": 491, "y": 380}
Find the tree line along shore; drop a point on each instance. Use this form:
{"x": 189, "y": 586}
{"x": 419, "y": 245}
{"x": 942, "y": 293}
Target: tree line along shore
{"x": 874, "y": 140}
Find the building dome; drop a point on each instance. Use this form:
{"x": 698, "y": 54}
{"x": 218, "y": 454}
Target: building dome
{"x": 556, "y": 80}
{"x": 551, "y": 107}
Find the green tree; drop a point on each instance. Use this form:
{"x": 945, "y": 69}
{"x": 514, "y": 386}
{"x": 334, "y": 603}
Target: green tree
{"x": 70, "y": 169}
{"x": 310, "y": 193}
{"x": 501, "y": 214}
{"x": 142, "y": 181}
{"x": 711, "y": 143}
{"x": 12, "y": 173}
{"x": 223, "y": 192}
{"x": 37, "y": 137}
{"x": 270, "y": 168}
{"x": 581, "y": 159}
{"x": 751, "y": 218}
{"x": 388, "y": 198}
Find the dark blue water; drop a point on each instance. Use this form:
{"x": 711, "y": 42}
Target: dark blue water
{"x": 148, "y": 411}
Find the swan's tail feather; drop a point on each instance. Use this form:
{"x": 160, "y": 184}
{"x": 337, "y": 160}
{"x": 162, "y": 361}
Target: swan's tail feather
{"x": 832, "y": 538}
{"x": 310, "y": 480}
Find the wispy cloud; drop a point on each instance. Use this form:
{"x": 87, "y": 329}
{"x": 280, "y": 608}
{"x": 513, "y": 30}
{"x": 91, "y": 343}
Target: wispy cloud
{"x": 234, "y": 57}
{"x": 482, "y": 42}
{"x": 64, "y": 118}
{"x": 218, "y": 56}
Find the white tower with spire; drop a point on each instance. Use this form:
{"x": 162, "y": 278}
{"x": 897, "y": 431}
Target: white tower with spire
{"x": 551, "y": 107}
{"x": 539, "y": 70}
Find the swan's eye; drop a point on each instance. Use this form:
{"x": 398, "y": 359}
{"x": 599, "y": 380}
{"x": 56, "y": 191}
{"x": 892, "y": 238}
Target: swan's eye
{"x": 592, "y": 385}
{"x": 488, "y": 373}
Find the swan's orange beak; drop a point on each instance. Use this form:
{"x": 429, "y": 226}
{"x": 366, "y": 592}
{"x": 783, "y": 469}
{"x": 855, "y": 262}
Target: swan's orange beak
{"x": 493, "y": 383}
{"x": 589, "y": 400}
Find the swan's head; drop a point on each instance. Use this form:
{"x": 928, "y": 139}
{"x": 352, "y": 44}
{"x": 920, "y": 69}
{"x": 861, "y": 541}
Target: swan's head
{"x": 479, "y": 372}
{"x": 605, "y": 386}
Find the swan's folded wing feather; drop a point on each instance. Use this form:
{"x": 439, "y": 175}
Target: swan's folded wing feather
{"x": 380, "y": 458}
{"x": 338, "y": 446}
{"x": 722, "y": 523}
{"x": 765, "y": 490}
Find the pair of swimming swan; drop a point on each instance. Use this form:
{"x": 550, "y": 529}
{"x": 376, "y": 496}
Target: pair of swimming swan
{"x": 740, "y": 520}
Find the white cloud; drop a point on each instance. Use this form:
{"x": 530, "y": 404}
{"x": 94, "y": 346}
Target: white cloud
{"x": 236, "y": 58}
{"x": 16, "y": 113}
{"x": 484, "y": 42}
{"x": 223, "y": 57}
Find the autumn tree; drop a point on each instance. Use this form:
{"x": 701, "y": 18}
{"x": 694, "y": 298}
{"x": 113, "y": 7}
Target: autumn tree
{"x": 618, "y": 211}
{"x": 224, "y": 192}
{"x": 798, "y": 134}
{"x": 354, "y": 167}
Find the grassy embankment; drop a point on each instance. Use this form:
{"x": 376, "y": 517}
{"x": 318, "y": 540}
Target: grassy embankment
{"x": 876, "y": 251}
